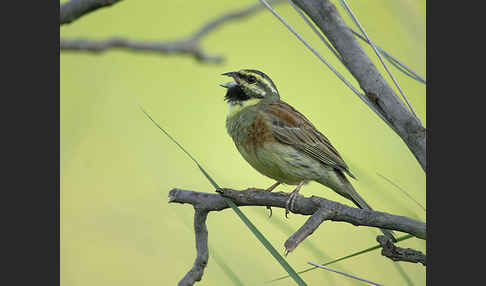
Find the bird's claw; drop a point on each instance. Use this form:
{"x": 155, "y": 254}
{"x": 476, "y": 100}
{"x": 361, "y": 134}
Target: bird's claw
{"x": 289, "y": 204}
{"x": 270, "y": 209}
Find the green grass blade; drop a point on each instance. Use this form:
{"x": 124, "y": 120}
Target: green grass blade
{"x": 227, "y": 270}
{"x": 403, "y": 273}
{"x": 344, "y": 258}
{"x": 242, "y": 216}
{"x": 402, "y": 190}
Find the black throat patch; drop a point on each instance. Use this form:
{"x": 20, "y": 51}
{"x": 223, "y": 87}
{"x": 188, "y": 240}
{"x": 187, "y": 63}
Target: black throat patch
{"x": 235, "y": 94}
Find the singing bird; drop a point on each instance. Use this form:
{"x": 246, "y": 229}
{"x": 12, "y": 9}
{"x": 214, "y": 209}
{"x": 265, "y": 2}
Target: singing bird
{"x": 280, "y": 142}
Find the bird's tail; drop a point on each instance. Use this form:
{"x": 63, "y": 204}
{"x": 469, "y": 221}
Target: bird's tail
{"x": 347, "y": 190}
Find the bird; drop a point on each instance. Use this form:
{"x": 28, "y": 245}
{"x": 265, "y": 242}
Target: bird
{"x": 280, "y": 142}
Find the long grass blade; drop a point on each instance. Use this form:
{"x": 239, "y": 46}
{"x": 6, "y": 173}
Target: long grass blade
{"x": 394, "y": 61}
{"x": 402, "y": 190}
{"x": 242, "y": 216}
{"x": 403, "y": 274}
{"x": 344, "y": 273}
{"x": 344, "y": 258}
{"x": 227, "y": 270}
{"x": 328, "y": 45}
{"x": 356, "y": 21}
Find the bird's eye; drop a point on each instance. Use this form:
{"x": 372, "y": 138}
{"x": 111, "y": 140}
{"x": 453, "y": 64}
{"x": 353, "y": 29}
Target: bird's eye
{"x": 251, "y": 79}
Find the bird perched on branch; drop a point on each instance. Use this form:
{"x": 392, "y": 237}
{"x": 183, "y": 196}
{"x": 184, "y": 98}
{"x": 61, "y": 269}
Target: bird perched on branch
{"x": 280, "y": 142}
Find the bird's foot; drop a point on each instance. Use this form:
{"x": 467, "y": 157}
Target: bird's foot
{"x": 271, "y": 188}
{"x": 289, "y": 204}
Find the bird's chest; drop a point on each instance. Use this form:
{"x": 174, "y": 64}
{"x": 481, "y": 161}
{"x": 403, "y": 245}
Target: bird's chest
{"x": 249, "y": 130}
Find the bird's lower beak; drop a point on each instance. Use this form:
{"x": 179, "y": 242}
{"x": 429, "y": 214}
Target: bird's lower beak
{"x": 229, "y": 84}
{"x": 234, "y": 75}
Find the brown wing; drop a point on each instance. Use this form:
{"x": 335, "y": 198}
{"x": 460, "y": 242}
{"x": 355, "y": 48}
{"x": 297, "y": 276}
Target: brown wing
{"x": 291, "y": 127}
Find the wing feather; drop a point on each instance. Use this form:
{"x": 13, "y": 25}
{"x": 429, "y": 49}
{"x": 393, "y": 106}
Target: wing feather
{"x": 291, "y": 127}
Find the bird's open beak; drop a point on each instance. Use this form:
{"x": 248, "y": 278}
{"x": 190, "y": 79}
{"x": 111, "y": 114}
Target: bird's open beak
{"x": 234, "y": 75}
{"x": 229, "y": 84}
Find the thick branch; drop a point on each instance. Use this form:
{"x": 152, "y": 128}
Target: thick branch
{"x": 382, "y": 96}
{"x": 303, "y": 205}
{"x": 318, "y": 208}
{"x": 74, "y": 9}
{"x": 396, "y": 253}
{"x": 189, "y": 45}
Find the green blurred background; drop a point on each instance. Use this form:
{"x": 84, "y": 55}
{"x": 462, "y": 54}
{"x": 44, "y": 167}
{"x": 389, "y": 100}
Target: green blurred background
{"x": 117, "y": 167}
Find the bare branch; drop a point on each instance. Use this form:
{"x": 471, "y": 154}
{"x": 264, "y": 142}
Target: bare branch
{"x": 319, "y": 208}
{"x": 307, "y": 229}
{"x": 396, "y": 253}
{"x": 189, "y": 45}
{"x": 74, "y": 9}
{"x": 197, "y": 271}
{"x": 230, "y": 16}
{"x": 382, "y": 97}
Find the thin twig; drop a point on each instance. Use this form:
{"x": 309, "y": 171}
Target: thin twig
{"x": 190, "y": 45}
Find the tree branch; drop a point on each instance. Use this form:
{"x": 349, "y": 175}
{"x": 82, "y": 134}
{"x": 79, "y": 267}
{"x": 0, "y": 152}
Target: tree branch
{"x": 324, "y": 14}
{"x": 318, "y": 208}
{"x": 197, "y": 271}
{"x": 189, "y": 45}
{"x": 74, "y": 9}
{"x": 396, "y": 253}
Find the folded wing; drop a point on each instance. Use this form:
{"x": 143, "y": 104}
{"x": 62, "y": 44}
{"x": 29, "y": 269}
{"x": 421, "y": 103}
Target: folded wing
{"x": 291, "y": 127}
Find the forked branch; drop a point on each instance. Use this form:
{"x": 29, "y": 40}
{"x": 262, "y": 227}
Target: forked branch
{"x": 319, "y": 209}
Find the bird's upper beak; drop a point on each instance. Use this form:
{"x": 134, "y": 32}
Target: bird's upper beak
{"x": 234, "y": 75}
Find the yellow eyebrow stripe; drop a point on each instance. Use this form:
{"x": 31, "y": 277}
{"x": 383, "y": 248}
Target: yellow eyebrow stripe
{"x": 260, "y": 79}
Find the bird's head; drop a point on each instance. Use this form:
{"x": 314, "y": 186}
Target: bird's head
{"x": 249, "y": 85}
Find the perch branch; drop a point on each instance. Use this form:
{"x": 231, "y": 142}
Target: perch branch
{"x": 74, "y": 9}
{"x": 396, "y": 253}
{"x": 318, "y": 208}
{"x": 189, "y": 45}
{"x": 382, "y": 97}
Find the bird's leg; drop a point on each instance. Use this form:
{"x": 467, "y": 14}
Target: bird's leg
{"x": 291, "y": 199}
{"x": 272, "y": 187}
